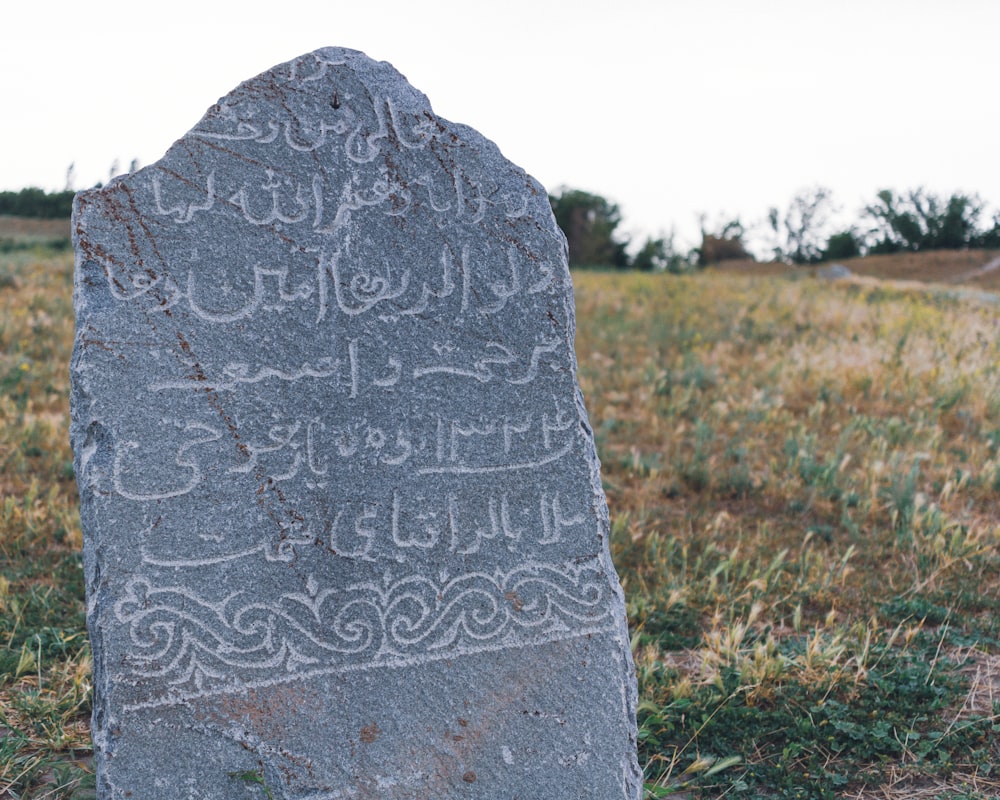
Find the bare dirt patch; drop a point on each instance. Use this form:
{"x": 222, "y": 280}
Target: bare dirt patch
{"x": 975, "y": 268}
{"x": 21, "y": 228}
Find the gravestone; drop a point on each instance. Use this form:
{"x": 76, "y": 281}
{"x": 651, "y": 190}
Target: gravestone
{"x": 345, "y": 535}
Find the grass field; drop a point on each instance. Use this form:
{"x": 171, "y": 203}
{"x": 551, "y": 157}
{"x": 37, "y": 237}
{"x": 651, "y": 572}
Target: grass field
{"x": 804, "y": 480}
{"x": 804, "y": 484}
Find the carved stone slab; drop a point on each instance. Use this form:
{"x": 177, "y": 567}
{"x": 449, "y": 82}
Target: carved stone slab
{"x": 345, "y": 532}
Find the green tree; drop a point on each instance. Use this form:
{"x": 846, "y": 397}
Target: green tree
{"x": 33, "y": 202}
{"x": 988, "y": 238}
{"x": 956, "y": 226}
{"x": 919, "y": 220}
{"x": 661, "y": 255}
{"x": 844, "y": 244}
{"x": 801, "y": 231}
{"x": 590, "y": 224}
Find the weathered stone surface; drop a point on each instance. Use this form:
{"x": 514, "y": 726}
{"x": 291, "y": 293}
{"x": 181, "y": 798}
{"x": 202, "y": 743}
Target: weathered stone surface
{"x": 345, "y": 532}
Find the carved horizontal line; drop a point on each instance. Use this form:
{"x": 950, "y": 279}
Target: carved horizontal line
{"x": 609, "y": 627}
{"x": 462, "y": 469}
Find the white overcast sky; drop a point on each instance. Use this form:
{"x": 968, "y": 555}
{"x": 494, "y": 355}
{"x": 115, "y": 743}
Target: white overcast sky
{"x": 669, "y": 108}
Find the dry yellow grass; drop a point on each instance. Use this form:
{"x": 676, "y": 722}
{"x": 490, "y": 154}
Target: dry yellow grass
{"x": 758, "y": 408}
{"x": 784, "y": 458}
{"x": 803, "y": 477}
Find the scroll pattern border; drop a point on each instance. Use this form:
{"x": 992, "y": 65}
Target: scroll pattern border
{"x": 193, "y": 647}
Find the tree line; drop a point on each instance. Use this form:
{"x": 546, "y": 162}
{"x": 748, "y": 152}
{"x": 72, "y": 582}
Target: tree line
{"x": 805, "y": 232}
{"x": 37, "y": 203}
{"x": 802, "y": 233}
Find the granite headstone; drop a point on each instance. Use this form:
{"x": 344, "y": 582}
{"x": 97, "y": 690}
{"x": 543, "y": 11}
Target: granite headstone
{"x": 345, "y": 535}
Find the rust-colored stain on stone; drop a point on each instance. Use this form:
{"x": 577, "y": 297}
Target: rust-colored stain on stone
{"x": 369, "y": 733}
{"x": 514, "y": 600}
{"x": 270, "y": 713}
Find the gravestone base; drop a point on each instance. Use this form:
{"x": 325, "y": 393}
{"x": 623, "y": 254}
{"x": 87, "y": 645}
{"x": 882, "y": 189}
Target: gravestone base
{"x": 443, "y": 732}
